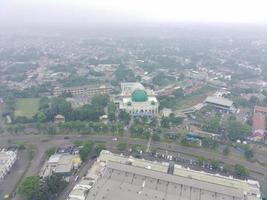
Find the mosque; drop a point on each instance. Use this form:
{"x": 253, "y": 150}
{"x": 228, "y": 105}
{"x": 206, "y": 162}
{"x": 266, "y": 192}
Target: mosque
{"x": 138, "y": 101}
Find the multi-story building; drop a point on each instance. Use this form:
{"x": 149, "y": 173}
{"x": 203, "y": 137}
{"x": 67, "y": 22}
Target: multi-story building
{"x": 84, "y": 90}
{"x": 138, "y": 100}
{"x": 7, "y": 159}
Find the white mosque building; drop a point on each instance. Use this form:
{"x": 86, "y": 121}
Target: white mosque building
{"x": 138, "y": 100}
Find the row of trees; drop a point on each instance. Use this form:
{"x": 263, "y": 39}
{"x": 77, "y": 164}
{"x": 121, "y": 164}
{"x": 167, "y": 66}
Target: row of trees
{"x": 235, "y": 130}
{"x": 88, "y": 147}
{"x": 171, "y": 121}
{"x": 238, "y": 170}
{"x": 50, "y": 108}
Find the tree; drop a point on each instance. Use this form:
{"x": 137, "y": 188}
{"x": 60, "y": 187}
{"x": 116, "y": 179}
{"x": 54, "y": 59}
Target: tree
{"x": 237, "y": 131}
{"x": 51, "y": 186}
{"x": 60, "y": 106}
{"x": 162, "y": 79}
{"x": 124, "y": 74}
{"x": 241, "y": 171}
{"x": 202, "y": 160}
{"x": 86, "y": 150}
{"x": 253, "y": 100}
{"x": 156, "y": 137}
{"x": 213, "y": 125}
{"x": 99, "y": 148}
{"x": 215, "y": 164}
{"x": 167, "y": 102}
{"x": 184, "y": 141}
{"x": 249, "y": 154}
{"x": 51, "y": 151}
{"x": 111, "y": 111}
{"x": 165, "y": 122}
{"x": 138, "y": 130}
{"x": 179, "y": 93}
{"x": 153, "y": 122}
{"x": 175, "y": 121}
{"x": 125, "y": 117}
{"x": 122, "y": 146}
{"x": 226, "y": 151}
{"x": 210, "y": 143}
{"x": 29, "y": 188}
{"x": 100, "y": 100}
{"x": 41, "y": 117}
{"x": 43, "y": 103}
{"x": 87, "y": 112}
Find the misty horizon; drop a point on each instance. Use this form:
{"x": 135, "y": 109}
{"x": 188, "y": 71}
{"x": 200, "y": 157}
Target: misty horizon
{"x": 28, "y": 13}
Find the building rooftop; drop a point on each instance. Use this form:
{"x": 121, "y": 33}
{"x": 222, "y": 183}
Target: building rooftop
{"x": 136, "y": 179}
{"x": 54, "y": 158}
{"x": 86, "y": 87}
{"x": 139, "y": 96}
{"x": 258, "y": 121}
{"x": 219, "y": 101}
{"x": 260, "y": 109}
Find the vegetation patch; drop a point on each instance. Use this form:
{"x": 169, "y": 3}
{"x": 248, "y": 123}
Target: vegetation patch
{"x": 26, "y": 107}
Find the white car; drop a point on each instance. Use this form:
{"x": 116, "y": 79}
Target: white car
{"x": 115, "y": 139}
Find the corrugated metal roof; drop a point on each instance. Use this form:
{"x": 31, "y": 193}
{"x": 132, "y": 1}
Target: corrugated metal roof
{"x": 219, "y": 101}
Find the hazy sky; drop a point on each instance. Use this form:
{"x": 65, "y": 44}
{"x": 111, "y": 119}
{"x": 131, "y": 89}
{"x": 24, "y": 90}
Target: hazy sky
{"x": 94, "y": 11}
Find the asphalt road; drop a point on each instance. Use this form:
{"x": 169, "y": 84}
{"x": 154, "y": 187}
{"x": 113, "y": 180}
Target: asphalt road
{"x": 59, "y": 140}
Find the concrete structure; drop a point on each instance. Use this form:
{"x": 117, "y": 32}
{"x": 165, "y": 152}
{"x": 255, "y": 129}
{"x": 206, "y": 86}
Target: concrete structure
{"x": 84, "y": 90}
{"x": 60, "y": 164}
{"x": 78, "y": 101}
{"x": 59, "y": 119}
{"x": 118, "y": 177}
{"x": 7, "y": 160}
{"x": 220, "y": 103}
{"x": 138, "y": 100}
{"x": 166, "y": 112}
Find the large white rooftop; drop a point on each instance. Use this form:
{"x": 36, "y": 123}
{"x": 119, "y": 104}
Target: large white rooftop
{"x": 136, "y": 179}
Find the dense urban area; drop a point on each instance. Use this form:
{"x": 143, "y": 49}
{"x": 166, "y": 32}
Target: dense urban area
{"x": 83, "y": 113}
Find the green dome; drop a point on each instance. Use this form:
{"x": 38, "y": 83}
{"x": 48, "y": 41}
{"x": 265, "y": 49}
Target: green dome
{"x": 139, "y": 96}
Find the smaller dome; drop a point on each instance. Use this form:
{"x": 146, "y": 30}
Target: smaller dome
{"x": 139, "y": 96}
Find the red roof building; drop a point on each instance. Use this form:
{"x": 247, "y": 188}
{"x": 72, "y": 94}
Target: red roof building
{"x": 258, "y": 121}
{"x": 260, "y": 109}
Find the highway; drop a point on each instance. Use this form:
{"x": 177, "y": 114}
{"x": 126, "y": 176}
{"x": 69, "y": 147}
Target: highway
{"x": 54, "y": 141}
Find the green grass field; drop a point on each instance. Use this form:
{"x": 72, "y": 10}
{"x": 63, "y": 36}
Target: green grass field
{"x": 26, "y": 107}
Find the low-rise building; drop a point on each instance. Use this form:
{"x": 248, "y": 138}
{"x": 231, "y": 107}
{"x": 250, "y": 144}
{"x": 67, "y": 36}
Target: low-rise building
{"x": 220, "y": 103}
{"x": 7, "y": 160}
{"x": 62, "y": 164}
{"x": 59, "y": 119}
{"x": 258, "y": 123}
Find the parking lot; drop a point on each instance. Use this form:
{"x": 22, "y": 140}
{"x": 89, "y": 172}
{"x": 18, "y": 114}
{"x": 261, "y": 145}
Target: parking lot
{"x": 184, "y": 160}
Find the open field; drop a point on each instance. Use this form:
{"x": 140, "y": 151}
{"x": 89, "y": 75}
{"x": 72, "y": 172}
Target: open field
{"x": 195, "y": 98}
{"x": 26, "y": 107}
